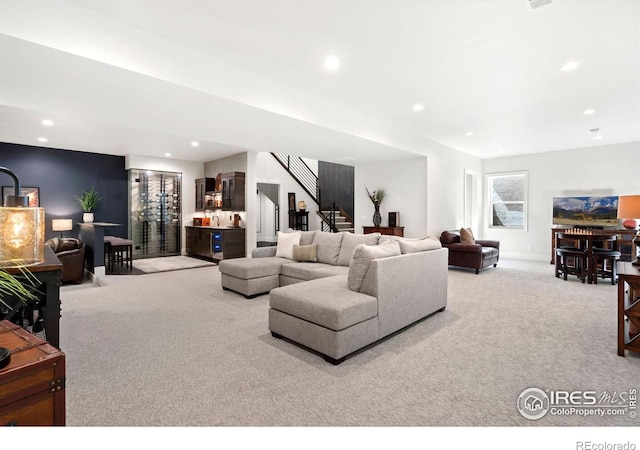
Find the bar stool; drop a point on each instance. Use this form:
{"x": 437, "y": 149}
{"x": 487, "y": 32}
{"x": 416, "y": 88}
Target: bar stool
{"x": 576, "y": 254}
{"x": 604, "y": 259}
{"x": 118, "y": 251}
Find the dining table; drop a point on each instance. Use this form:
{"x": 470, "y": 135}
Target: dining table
{"x": 585, "y": 239}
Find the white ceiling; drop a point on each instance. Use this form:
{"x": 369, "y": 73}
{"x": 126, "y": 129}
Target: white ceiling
{"x": 149, "y": 76}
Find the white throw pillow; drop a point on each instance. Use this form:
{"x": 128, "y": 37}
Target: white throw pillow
{"x": 361, "y": 260}
{"x": 286, "y": 241}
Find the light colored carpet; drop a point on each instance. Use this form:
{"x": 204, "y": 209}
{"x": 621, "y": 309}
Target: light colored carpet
{"x": 168, "y": 263}
{"x": 174, "y": 349}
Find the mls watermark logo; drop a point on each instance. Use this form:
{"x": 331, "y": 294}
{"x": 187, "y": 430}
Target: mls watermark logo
{"x": 533, "y": 403}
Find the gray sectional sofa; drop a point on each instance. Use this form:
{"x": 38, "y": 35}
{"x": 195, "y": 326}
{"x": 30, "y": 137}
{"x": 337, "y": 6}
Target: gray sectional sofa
{"x": 348, "y": 292}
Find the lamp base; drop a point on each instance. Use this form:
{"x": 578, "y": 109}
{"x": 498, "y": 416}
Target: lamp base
{"x": 5, "y": 357}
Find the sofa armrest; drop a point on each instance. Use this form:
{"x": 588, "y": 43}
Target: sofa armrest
{"x": 408, "y": 287}
{"x": 467, "y": 248}
{"x": 264, "y": 252}
{"x": 488, "y": 243}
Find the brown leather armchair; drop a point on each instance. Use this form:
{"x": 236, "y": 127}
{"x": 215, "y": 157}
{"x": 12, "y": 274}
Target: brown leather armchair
{"x": 483, "y": 253}
{"x": 71, "y": 253}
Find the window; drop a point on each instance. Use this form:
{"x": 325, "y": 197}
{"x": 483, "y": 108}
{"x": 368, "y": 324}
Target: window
{"x": 507, "y": 200}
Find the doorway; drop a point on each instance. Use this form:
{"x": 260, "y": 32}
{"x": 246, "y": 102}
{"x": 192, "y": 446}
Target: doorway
{"x": 472, "y": 200}
{"x": 268, "y": 217}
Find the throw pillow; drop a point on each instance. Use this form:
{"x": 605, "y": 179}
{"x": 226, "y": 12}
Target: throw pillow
{"x": 466, "y": 236}
{"x": 286, "y": 241}
{"x": 53, "y": 244}
{"x": 419, "y": 245}
{"x": 305, "y": 253}
{"x": 328, "y": 246}
{"x": 67, "y": 244}
{"x": 362, "y": 256}
{"x": 349, "y": 242}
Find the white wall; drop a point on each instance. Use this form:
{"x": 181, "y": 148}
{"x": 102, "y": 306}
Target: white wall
{"x": 427, "y": 191}
{"x": 604, "y": 170}
{"x": 190, "y": 171}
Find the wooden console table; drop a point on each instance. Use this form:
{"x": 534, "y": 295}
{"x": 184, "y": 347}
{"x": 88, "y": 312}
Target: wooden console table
{"x": 389, "y": 231}
{"x": 628, "y": 306}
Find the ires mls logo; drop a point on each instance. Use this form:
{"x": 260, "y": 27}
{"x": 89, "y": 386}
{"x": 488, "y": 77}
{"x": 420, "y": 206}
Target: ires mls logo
{"x": 534, "y": 403}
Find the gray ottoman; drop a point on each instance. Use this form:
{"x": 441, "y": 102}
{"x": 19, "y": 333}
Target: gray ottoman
{"x": 251, "y": 276}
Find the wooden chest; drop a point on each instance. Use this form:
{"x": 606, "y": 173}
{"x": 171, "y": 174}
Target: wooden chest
{"x": 32, "y": 386}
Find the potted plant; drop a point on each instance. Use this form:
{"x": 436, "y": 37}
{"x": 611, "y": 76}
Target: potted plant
{"x": 88, "y": 201}
{"x": 16, "y": 288}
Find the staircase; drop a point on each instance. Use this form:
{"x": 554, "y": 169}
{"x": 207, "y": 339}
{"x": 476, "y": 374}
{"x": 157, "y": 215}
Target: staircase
{"x": 335, "y": 219}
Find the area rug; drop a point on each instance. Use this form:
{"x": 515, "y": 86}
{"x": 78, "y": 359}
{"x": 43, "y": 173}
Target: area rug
{"x": 167, "y": 263}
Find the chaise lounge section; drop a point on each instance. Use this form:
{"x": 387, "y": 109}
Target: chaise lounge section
{"x": 348, "y": 292}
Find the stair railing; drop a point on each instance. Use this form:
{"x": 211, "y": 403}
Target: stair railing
{"x": 308, "y": 180}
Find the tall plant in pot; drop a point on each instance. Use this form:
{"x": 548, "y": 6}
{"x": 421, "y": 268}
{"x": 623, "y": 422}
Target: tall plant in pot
{"x": 88, "y": 201}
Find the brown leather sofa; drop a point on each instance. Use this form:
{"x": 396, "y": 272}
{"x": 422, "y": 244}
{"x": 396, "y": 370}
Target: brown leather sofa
{"x": 483, "y": 253}
{"x": 71, "y": 253}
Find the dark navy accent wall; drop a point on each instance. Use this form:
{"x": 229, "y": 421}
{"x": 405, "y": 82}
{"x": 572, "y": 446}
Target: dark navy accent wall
{"x": 337, "y": 181}
{"x": 63, "y": 174}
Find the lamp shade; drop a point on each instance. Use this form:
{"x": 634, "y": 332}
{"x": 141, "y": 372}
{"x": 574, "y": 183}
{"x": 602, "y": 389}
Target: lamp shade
{"x": 22, "y": 236}
{"x": 629, "y": 207}
{"x": 62, "y": 225}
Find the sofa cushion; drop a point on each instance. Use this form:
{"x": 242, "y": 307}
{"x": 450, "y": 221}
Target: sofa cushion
{"x": 328, "y": 246}
{"x": 466, "y": 236}
{"x": 325, "y": 302}
{"x": 361, "y": 260}
{"x": 328, "y": 271}
{"x": 305, "y": 253}
{"x": 349, "y": 242}
{"x": 249, "y": 268}
{"x": 286, "y": 241}
{"x": 306, "y": 237}
{"x": 419, "y": 245}
{"x": 300, "y": 270}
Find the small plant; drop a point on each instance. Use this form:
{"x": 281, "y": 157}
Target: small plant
{"x": 88, "y": 200}
{"x": 376, "y": 196}
{"x": 20, "y": 286}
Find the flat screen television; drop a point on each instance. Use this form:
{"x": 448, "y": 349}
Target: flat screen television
{"x": 586, "y": 211}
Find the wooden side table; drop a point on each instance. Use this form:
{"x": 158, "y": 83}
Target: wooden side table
{"x": 389, "y": 231}
{"x": 32, "y": 386}
{"x": 628, "y": 306}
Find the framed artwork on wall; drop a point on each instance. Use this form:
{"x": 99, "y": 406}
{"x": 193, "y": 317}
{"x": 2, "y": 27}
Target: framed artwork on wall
{"x": 292, "y": 201}
{"x": 32, "y": 192}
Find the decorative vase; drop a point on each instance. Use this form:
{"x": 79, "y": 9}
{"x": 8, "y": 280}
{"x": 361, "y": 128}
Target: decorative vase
{"x": 377, "y": 219}
{"x": 87, "y": 217}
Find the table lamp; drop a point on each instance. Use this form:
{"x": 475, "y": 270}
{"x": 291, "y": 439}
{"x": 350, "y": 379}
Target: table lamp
{"x": 629, "y": 208}
{"x": 21, "y": 229}
{"x": 61, "y": 225}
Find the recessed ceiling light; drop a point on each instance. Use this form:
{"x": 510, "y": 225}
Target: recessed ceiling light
{"x": 588, "y": 112}
{"x": 43, "y": 139}
{"x": 570, "y": 65}
{"x": 167, "y": 154}
{"x": 331, "y": 62}
{"x": 195, "y": 144}
{"x": 47, "y": 122}
{"x": 501, "y": 150}
{"x": 598, "y": 136}
{"x": 469, "y": 133}
{"x": 418, "y": 107}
